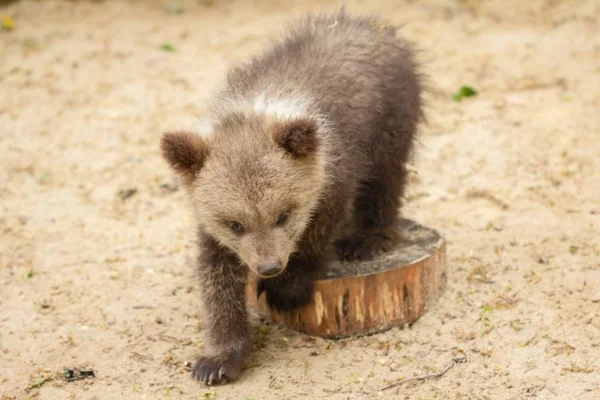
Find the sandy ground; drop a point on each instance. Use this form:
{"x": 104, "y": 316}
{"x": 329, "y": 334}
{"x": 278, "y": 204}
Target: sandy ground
{"x": 511, "y": 177}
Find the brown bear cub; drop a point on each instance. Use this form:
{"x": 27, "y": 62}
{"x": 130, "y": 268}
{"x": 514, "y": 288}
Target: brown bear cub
{"x": 304, "y": 150}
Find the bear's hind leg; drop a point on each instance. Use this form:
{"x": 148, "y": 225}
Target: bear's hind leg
{"x": 376, "y": 216}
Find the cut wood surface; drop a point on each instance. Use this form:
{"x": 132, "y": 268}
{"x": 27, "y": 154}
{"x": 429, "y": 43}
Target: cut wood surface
{"x": 365, "y": 297}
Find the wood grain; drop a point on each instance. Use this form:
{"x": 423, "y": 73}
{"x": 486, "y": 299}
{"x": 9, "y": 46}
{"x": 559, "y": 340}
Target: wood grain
{"x": 359, "y": 298}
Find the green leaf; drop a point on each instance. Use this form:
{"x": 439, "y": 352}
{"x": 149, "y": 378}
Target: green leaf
{"x": 39, "y": 383}
{"x": 174, "y": 7}
{"x": 464, "y": 91}
{"x": 137, "y": 388}
{"x": 168, "y": 47}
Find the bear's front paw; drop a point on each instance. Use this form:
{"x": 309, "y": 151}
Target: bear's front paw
{"x": 366, "y": 245}
{"x": 218, "y": 369}
{"x": 286, "y": 294}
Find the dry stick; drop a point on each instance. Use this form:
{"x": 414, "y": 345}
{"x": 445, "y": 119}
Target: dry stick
{"x": 456, "y": 360}
{"x": 141, "y": 306}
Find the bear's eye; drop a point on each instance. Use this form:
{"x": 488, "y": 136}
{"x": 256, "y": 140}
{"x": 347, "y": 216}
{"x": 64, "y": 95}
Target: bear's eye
{"x": 236, "y": 227}
{"x": 283, "y": 217}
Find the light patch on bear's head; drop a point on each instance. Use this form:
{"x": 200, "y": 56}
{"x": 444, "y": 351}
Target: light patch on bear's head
{"x": 205, "y": 127}
{"x": 284, "y": 108}
{"x": 281, "y": 108}
{"x": 257, "y": 184}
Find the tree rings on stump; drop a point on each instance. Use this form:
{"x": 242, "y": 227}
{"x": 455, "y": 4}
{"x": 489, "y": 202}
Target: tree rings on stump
{"x": 366, "y": 297}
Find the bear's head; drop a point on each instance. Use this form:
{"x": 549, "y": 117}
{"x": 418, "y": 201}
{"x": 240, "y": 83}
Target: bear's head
{"x": 254, "y": 183}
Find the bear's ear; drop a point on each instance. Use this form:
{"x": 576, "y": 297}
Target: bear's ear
{"x": 185, "y": 152}
{"x": 298, "y": 137}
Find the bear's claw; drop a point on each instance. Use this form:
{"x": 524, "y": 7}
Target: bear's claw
{"x": 217, "y": 370}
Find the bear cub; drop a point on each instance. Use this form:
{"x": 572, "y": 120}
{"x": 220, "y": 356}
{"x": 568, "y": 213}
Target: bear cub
{"x": 303, "y": 151}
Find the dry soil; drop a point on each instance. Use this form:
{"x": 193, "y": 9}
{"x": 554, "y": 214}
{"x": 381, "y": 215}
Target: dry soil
{"x": 96, "y": 249}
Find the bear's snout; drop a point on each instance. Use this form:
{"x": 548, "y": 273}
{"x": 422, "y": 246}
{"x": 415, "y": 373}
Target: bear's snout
{"x": 270, "y": 268}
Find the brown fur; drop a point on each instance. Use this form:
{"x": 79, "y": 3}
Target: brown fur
{"x": 298, "y": 137}
{"x": 304, "y": 149}
{"x": 185, "y": 152}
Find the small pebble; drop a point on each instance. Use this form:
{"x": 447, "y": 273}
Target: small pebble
{"x": 135, "y": 160}
{"x": 126, "y": 193}
{"x": 170, "y": 184}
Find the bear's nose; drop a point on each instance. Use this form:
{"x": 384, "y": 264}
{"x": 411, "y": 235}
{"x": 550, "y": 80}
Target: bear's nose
{"x": 270, "y": 268}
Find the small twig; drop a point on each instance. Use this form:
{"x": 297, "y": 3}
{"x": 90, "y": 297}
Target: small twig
{"x": 456, "y": 360}
{"x": 143, "y": 306}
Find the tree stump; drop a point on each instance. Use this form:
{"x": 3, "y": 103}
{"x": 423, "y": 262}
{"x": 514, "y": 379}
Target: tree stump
{"x": 366, "y": 297}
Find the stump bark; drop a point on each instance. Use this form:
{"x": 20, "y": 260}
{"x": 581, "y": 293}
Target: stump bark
{"x": 366, "y": 297}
